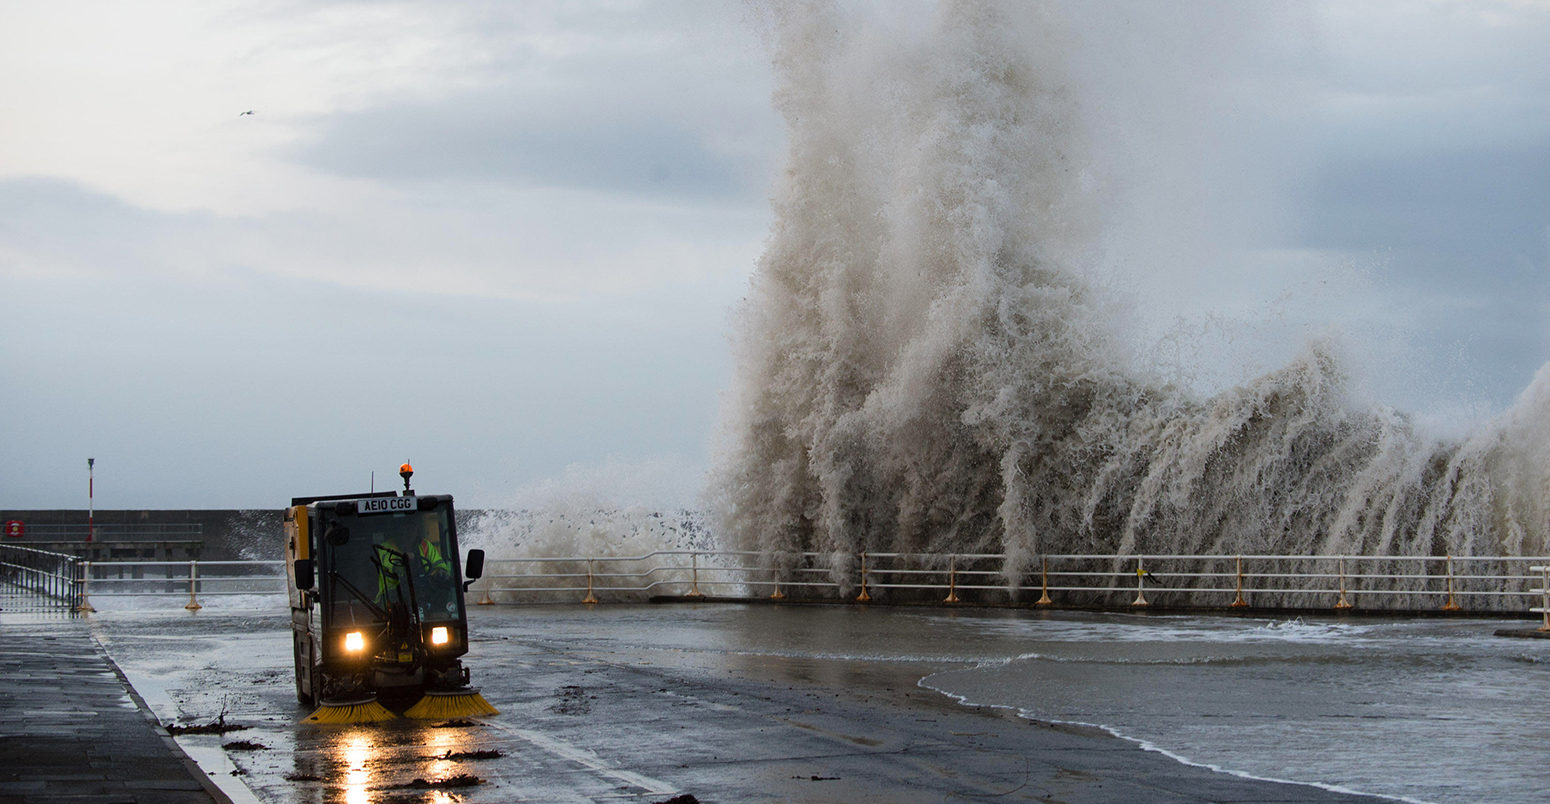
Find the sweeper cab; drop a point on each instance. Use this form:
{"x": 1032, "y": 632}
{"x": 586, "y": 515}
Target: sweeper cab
{"x": 377, "y": 606}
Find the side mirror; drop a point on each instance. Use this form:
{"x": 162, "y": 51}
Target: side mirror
{"x": 303, "y": 573}
{"x": 475, "y": 568}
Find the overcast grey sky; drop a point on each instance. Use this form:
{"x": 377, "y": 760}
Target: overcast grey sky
{"x": 506, "y": 240}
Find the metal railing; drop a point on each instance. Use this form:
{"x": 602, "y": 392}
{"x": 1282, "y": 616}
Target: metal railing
{"x": 1543, "y": 590}
{"x": 175, "y": 579}
{"x": 1447, "y": 583}
{"x": 1377, "y": 583}
{"x": 33, "y": 579}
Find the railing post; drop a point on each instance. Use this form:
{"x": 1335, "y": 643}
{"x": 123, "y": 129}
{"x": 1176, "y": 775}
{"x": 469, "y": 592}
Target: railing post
{"x": 1239, "y": 602}
{"x": 863, "y": 597}
{"x": 694, "y": 585}
{"x": 193, "y": 584}
{"x": 1342, "y": 603}
{"x": 485, "y": 600}
{"x": 1044, "y": 582}
{"x": 590, "y": 598}
{"x": 1544, "y": 595}
{"x": 1140, "y": 585}
{"x": 83, "y": 605}
{"x": 952, "y": 580}
{"x": 1451, "y": 605}
{"x": 777, "y": 594}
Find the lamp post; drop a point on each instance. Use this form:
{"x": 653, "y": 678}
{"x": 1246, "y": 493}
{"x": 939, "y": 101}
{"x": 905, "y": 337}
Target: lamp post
{"x": 90, "y": 505}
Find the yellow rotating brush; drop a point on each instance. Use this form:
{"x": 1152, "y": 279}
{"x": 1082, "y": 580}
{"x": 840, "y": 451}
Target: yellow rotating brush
{"x": 364, "y": 710}
{"x": 439, "y": 705}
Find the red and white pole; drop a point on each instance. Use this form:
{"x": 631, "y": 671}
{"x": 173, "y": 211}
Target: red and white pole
{"x": 91, "y": 529}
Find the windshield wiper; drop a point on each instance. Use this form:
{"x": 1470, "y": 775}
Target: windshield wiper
{"x": 377, "y": 611}
{"x": 400, "y": 561}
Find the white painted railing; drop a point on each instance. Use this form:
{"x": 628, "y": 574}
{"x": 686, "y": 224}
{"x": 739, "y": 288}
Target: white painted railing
{"x": 1543, "y": 590}
{"x": 1476, "y": 583}
{"x": 1384, "y": 583}
{"x": 32, "y": 579}
{"x": 179, "y": 579}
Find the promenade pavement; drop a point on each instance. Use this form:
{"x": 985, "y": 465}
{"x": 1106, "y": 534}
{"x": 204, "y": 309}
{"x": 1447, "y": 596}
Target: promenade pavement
{"x": 72, "y": 729}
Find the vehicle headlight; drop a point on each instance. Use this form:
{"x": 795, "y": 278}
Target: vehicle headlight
{"x": 354, "y": 642}
{"x": 439, "y": 635}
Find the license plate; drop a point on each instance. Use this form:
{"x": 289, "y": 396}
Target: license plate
{"x": 386, "y": 505}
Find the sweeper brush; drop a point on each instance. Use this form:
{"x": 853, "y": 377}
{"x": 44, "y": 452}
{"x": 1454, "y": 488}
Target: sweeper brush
{"x": 366, "y": 710}
{"x": 437, "y": 705}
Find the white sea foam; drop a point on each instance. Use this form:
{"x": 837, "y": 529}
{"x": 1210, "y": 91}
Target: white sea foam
{"x": 1145, "y": 745}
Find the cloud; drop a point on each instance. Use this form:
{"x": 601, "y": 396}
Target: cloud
{"x": 539, "y": 245}
{"x": 141, "y": 100}
{"x": 238, "y": 391}
{"x": 492, "y": 139}
{"x": 532, "y": 152}
{"x": 1470, "y": 199}
{"x": 199, "y": 357}
{"x": 657, "y": 100}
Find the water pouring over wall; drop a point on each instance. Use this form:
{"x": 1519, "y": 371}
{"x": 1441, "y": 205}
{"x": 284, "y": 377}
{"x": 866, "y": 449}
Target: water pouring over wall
{"x": 925, "y": 366}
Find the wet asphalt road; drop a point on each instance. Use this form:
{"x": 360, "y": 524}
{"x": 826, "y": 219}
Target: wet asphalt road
{"x": 643, "y": 703}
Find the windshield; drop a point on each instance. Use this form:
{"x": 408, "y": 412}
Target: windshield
{"x": 380, "y": 559}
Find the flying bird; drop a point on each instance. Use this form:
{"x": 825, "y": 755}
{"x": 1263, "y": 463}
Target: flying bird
{"x": 250, "y": 111}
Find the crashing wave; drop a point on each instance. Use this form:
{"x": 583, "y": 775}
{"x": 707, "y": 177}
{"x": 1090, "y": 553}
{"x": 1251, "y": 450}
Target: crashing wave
{"x": 924, "y": 366}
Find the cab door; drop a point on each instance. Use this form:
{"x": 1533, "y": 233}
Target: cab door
{"x": 303, "y": 599}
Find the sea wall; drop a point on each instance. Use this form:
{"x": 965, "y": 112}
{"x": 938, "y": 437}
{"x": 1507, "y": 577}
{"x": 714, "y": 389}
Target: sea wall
{"x": 220, "y": 534}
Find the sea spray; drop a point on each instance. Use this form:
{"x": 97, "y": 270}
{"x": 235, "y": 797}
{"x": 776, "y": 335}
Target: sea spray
{"x": 523, "y": 547}
{"x": 925, "y": 366}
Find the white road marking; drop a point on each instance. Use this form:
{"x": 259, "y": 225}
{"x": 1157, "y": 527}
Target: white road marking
{"x": 581, "y": 756}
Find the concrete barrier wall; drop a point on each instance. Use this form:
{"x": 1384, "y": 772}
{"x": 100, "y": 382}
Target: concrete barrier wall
{"x": 226, "y": 535}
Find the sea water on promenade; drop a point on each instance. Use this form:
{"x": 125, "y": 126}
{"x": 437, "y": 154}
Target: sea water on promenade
{"x": 1434, "y": 710}
{"x": 1428, "y": 709}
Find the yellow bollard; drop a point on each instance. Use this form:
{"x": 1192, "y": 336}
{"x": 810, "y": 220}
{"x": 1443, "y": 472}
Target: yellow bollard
{"x": 590, "y": 598}
{"x": 1544, "y": 596}
{"x": 193, "y": 582}
{"x": 694, "y": 583}
{"x": 1451, "y": 605}
{"x": 1240, "y": 602}
{"x": 84, "y": 606}
{"x": 1140, "y": 586}
{"x": 1342, "y": 603}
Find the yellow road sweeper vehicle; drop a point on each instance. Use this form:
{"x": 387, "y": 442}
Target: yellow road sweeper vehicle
{"x": 377, "y": 610}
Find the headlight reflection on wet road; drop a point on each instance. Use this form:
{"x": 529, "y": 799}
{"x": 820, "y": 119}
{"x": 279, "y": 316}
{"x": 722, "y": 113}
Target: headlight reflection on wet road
{"x": 442, "y": 743}
{"x": 364, "y": 763}
{"x": 356, "y": 778}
